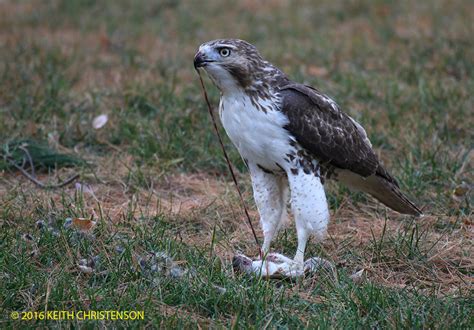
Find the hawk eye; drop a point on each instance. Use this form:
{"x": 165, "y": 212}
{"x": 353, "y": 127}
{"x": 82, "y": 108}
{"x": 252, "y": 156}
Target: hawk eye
{"x": 224, "y": 52}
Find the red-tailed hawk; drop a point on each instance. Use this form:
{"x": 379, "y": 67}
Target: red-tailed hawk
{"x": 292, "y": 138}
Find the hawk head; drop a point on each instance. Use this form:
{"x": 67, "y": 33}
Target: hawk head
{"x": 234, "y": 64}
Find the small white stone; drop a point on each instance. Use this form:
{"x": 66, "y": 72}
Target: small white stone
{"x": 100, "y": 121}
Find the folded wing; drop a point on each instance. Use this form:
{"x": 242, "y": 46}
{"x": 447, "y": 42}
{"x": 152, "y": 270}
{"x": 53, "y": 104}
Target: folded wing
{"x": 334, "y": 138}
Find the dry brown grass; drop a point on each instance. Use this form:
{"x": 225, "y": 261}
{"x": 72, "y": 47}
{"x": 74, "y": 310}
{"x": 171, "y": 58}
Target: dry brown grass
{"x": 196, "y": 203}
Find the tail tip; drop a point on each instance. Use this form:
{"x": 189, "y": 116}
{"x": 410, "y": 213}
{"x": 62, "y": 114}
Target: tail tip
{"x": 417, "y": 213}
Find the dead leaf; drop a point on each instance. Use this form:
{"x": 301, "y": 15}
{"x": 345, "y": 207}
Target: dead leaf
{"x": 83, "y": 224}
{"x": 461, "y": 191}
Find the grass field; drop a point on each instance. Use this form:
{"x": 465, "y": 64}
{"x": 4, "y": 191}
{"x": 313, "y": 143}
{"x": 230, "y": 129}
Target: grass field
{"x": 168, "y": 219}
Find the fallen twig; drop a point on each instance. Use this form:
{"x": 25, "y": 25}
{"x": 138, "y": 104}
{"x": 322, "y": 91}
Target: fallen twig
{"x": 32, "y": 177}
{"x": 41, "y": 184}
{"x": 30, "y": 159}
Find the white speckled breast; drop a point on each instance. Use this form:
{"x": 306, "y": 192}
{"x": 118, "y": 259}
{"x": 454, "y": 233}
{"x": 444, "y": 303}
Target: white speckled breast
{"x": 259, "y": 136}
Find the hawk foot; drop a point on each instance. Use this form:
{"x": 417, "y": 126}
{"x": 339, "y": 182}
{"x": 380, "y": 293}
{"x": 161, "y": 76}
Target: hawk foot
{"x": 278, "y": 266}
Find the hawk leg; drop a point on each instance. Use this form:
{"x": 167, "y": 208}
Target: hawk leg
{"x": 309, "y": 206}
{"x": 271, "y": 197}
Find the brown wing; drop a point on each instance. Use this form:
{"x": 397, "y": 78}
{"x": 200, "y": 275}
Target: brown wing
{"x": 329, "y": 134}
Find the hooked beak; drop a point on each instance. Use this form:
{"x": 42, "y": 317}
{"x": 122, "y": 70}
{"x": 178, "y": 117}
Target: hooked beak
{"x": 200, "y": 60}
